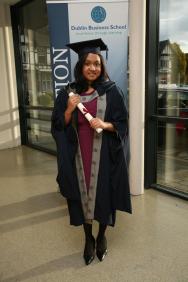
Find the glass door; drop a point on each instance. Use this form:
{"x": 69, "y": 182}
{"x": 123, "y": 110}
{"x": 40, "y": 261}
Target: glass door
{"x": 35, "y": 73}
{"x": 172, "y": 108}
{"x": 166, "y": 138}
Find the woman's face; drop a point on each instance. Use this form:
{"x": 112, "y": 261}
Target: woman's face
{"x": 92, "y": 67}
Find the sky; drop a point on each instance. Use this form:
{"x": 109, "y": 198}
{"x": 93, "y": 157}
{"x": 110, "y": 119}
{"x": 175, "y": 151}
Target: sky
{"x": 174, "y": 22}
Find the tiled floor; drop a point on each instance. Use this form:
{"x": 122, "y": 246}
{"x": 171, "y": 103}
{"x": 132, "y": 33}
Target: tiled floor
{"x": 37, "y": 243}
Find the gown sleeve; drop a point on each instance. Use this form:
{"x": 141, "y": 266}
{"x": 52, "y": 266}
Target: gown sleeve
{"x": 119, "y": 113}
{"x": 58, "y": 119}
{"x": 119, "y": 118}
{"x": 66, "y": 144}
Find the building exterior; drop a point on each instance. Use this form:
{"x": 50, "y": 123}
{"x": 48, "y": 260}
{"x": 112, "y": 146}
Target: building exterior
{"x": 158, "y": 89}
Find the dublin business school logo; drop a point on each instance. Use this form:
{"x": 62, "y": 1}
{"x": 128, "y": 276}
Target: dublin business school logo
{"x": 98, "y": 14}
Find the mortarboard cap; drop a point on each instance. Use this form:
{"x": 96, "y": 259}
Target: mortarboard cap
{"x": 89, "y": 46}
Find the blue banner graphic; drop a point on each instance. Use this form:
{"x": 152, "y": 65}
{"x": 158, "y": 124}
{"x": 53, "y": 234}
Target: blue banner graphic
{"x": 59, "y": 37}
{"x": 73, "y": 21}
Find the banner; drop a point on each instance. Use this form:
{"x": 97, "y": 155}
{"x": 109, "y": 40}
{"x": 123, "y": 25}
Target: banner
{"x": 73, "y": 21}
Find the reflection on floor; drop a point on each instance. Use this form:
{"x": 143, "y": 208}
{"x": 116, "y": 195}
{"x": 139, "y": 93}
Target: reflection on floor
{"x": 38, "y": 245}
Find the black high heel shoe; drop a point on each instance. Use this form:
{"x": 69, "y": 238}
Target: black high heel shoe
{"x": 101, "y": 248}
{"x": 89, "y": 250}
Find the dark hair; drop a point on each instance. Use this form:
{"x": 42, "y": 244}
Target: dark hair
{"x": 80, "y": 80}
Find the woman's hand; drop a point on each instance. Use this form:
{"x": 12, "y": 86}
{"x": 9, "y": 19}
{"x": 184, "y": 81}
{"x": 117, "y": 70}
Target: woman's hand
{"x": 73, "y": 101}
{"x": 71, "y": 105}
{"x": 99, "y": 123}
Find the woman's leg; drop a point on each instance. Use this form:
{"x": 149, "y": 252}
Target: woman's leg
{"x": 101, "y": 248}
{"x": 89, "y": 250}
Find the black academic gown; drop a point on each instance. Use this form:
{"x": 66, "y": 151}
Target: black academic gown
{"x": 113, "y": 191}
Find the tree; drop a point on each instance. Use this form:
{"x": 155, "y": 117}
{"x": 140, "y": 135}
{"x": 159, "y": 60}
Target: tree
{"x": 186, "y": 70}
{"x": 179, "y": 65}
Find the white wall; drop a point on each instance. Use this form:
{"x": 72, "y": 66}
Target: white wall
{"x": 137, "y": 19}
{"x": 9, "y": 116}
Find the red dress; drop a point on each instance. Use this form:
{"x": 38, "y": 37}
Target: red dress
{"x": 85, "y": 134}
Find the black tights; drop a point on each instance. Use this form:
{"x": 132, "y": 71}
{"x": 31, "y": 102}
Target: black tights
{"x": 102, "y": 229}
{"x": 88, "y": 230}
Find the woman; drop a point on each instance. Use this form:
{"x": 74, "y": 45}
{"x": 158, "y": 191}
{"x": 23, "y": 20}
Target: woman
{"x": 92, "y": 167}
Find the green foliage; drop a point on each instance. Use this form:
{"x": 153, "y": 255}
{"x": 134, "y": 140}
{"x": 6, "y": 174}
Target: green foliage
{"x": 186, "y": 71}
{"x": 179, "y": 64}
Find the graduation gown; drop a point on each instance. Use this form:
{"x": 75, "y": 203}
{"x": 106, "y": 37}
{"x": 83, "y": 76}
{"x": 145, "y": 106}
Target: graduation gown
{"x": 110, "y": 184}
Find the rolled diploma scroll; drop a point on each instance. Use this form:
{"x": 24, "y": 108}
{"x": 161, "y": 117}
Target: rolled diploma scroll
{"x": 85, "y": 112}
